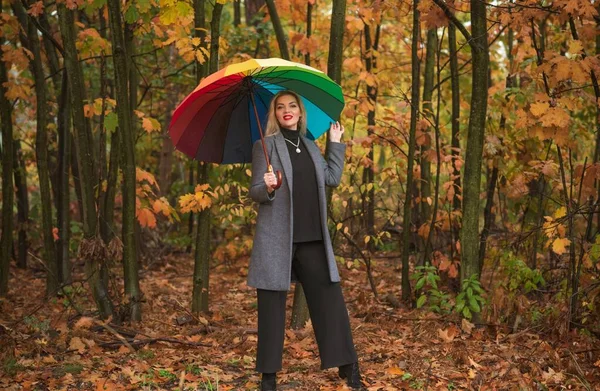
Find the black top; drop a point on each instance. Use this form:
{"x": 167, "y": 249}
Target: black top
{"x": 305, "y": 193}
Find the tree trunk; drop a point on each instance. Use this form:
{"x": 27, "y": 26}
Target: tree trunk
{"x": 165, "y": 164}
{"x": 121, "y": 69}
{"x": 64, "y": 162}
{"x": 202, "y": 253}
{"x": 252, "y": 8}
{"x": 335, "y": 54}
{"x": 91, "y": 243}
{"x": 41, "y": 151}
{"x": 336, "y": 41}
{"x": 300, "y": 314}
{"x": 455, "y": 143}
{"x": 215, "y": 34}
{"x": 425, "y": 161}
{"x": 237, "y": 13}
{"x": 279, "y": 33}
{"x": 456, "y": 204}
{"x": 309, "y": 7}
{"x": 20, "y": 176}
{"x": 7, "y": 182}
{"x": 371, "y": 45}
{"x": 475, "y": 136}
{"x": 406, "y": 223}
{"x": 107, "y": 229}
{"x": 488, "y": 215}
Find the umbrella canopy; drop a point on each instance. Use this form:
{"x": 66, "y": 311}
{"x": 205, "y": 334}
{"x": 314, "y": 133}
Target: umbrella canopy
{"x": 219, "y": 121}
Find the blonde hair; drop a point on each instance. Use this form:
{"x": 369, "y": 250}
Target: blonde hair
{"x": 272, "y": 123}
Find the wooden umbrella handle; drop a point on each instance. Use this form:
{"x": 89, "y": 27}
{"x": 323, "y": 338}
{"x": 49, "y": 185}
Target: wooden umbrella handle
{"x": 262, "y": 140}
{"x": 278, "y": 176}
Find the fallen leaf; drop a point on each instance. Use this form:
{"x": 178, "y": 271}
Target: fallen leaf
{"x": 466, "y": 326}
{"x": 395, "y": 371}
{"x": 77, "y": 344}
{"x": 84, "y": 322}
{"x": 474, "y": 364}
{"x": 449, "y": 334}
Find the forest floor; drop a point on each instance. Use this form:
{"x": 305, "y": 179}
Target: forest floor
{"x": 48, "y": 345}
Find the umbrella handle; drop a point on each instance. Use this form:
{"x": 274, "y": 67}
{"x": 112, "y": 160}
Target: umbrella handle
{"x": 278, "y": 176}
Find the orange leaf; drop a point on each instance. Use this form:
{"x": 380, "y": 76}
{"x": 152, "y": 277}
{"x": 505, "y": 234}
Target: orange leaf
{"x": 556, "y": 116}
{"x": 84, "y": 323}
{"x": 55, "y": 234}
{"x": 201, "y": 188}
{"x": 540, "y": 108}
{"x": 147, "y": 125}
{"x": 141, "y": 175}
{"x": 77, "y": 344}
{"x": 36, "y": 9}
{"x": 146, "y": 218}
{"x": 395, "y": 371}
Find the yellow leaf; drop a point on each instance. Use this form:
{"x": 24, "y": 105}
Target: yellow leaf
{"x": 204, "y": 203}
{"x": 155, "y": 124}
{"x": 575, "y": 47}
{"x": 560, "y": 212}
{"x": 367, "y": 239}
{"x": 559, "y": 245}
{"x": 540, "y": 108}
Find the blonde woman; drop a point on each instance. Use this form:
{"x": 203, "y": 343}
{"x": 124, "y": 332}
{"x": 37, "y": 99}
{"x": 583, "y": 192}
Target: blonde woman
{"x": 292, "y": 241}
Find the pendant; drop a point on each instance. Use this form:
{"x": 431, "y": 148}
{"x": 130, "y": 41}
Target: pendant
{"x": 297, "y": 150}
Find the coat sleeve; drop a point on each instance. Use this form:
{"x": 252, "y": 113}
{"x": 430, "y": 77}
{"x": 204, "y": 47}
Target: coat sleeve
{"x": 258, "y": 188}
{"x": 334, "y": 165}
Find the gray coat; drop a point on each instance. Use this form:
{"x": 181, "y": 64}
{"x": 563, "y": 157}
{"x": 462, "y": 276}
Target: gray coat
{"x": 271, "y": 261}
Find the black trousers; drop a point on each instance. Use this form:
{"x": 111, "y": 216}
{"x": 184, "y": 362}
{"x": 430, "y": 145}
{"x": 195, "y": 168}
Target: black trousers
{"x": 326, "y": 307}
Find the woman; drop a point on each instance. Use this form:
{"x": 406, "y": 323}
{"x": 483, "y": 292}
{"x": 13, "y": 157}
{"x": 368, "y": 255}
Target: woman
{"x": 292, "y": 241}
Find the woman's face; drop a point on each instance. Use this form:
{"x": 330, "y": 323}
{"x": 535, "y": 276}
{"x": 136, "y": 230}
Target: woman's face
{"x": 287, "y": 112}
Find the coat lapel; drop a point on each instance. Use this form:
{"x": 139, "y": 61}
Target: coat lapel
{"x": 316, "y": 157}
{"x": 284, "y": 157}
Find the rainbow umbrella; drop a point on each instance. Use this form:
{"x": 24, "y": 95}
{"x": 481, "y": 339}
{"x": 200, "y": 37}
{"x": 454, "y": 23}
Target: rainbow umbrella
{"x": 225, "y": 114}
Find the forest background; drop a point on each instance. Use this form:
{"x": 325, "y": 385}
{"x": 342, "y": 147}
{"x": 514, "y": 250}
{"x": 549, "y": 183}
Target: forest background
{"x": 466, "y": 225}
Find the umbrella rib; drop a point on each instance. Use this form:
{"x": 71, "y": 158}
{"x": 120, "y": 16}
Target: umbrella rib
{"x": 266, "y": 77}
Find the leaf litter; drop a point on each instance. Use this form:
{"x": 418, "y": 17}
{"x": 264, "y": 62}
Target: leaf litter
{"x": 47, "y": 345}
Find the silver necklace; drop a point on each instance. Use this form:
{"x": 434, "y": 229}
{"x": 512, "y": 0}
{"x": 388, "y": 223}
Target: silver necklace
{"x": 297, "y": 145}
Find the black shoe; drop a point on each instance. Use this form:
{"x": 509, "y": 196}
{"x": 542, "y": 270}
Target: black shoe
{"x": 268, "y": 382}
{"x": 351, "y": 373}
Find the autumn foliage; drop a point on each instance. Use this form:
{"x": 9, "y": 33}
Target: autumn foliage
{"x": 530, "y": 319}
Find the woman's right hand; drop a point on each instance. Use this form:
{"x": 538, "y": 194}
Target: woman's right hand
{"x": 270, "y": 181}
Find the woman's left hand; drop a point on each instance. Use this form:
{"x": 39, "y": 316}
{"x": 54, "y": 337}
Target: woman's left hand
{"x": 335, "y": 132}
